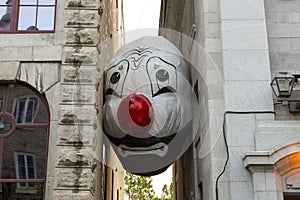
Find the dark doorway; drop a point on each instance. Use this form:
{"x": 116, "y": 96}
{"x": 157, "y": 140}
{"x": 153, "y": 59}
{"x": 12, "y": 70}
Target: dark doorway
{"x": 293, "y": 197}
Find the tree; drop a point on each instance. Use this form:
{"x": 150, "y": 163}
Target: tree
{"x": 167, "y": 192}
{"x": 138, "y": 187}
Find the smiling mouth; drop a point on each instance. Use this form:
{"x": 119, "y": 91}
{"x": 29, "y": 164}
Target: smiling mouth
{"x": 159, "y": 149}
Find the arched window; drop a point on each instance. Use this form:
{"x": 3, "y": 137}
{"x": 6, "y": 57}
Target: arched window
{"x": 24, "y": 125}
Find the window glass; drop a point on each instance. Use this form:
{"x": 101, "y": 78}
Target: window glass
{"x": 5, "y": 18}
{"x": 5, "y": 125}
{"x": 31, "y": 15}
{"x": 46, "y": 17}
{"x": 27, "y": 17}
{"x": 3, "y": 2}
{"x": 25, "y": 109}
{"x": 25, "y": 106}
{"x": 28, "y": 2}
{"x": 46, "y": 2}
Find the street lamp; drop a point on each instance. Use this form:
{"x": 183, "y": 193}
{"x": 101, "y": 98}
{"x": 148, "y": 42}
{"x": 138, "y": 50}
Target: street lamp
{"x": 283, "y": 84}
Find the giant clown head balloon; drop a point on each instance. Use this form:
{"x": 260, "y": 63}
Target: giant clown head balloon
{"x": 147, "y": 113}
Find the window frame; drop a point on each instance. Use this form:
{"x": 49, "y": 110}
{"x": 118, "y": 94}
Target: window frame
{"x": 1, "y": 118}
{"x": 27, "y": 187}
{"x": 15, "y": 19}
{"x": 16, "y": 111}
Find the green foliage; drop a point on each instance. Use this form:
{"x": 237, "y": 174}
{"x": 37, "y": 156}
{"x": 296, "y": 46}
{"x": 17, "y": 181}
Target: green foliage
{"x": 167, "y": 192}
{"x": 138, "y": 187}
{"x": 141, "y": 188}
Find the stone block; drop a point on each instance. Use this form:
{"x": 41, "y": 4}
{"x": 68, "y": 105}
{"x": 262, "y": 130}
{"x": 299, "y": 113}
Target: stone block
{"x": 271, "y": 182}
{"x": 295, "y": 42}
{"x": 60, "y": 16}
{"x": 240, "y": 129}
{"x": 279, "y": 139}
{"x": 54, "y": 91}
{"x": 265, "y": 195}
{"x": 25, "y": 40}
{"x": 215, "y": 91}
{"x": 52, "y": 149}
{"x": 75, "y": 135}
{"x": 86, "y": 18}
{"x": 213, "y": 45}
{"x": 212, "y": 30}
{"x": 259, "y": 180}
{"x": 216, "y": 107}
{"x": 241, "y": 190}
{"x": 285, "y": 62}
{"x": 244, "y": 34}
{"x": 217, "y": 61}
{"x": 284, "y": 30}
{"x": 294, "y": 17}
{"x": 74, "y": 178}
{"x": 279, "y": 6}
{"x": 236, "y": 166}
{"x": 68, "y": 195}
{"x": 212, "y": 17}
{"x": 83, "y": 75}
{"x": 49, "y": 188}
{"x": 41, "y": 75}
{"x": 74, "y": 156}
{"x": 78, "y": 115}
{"x": 211, "y": 6}
{"x": 82, "y": 3}
{"x": 248, "y": 96}
{"x": 268, "y": 126}
{"x": 82, "y": 36}
{"x": 242, "y": 9}
{"x": 53, "y": 53}
{"x": 9, "y": 70}
{"x": 277, "y": 18}
{"x": 247, "y": 65}
{"x": 13, "y": 53}
{"x": 78, "y": 94}
{"x": 280, "y": 45}
{"x": 86, "y": 55}
{"x": 59, "y": 38}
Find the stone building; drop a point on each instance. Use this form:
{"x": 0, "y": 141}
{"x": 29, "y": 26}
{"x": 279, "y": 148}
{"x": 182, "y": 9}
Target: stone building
{"x": 236, "y": 47}
{"x": 50, "y": 71}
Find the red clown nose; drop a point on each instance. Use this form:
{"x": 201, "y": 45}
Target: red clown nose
{"x": 135, "y": 115}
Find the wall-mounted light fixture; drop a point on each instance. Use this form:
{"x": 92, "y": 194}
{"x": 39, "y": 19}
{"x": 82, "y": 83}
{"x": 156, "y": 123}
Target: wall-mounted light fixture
{"x": 283, "y": 86}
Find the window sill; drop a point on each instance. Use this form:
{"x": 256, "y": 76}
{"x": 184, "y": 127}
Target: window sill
{"x": 26, "y": 190}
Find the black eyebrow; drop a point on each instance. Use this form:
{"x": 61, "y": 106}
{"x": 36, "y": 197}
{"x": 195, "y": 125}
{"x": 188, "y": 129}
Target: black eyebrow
{"x": 167, "y": 89}
{"x": 110, "y": 91}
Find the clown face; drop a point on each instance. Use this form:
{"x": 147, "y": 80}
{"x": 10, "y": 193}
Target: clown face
{"x": 147, "y": 111}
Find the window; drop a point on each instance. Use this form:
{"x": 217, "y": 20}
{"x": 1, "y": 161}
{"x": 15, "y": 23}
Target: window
{"x": 27, "y": 15}
{"x": 23, "y": 141}
{"x": 25, "y": 166}
{"x": 25, "y": 110}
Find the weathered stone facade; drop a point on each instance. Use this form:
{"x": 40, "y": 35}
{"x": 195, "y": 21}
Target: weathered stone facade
{"x": 246, "y": 44}
{"x": 65, "y": 66}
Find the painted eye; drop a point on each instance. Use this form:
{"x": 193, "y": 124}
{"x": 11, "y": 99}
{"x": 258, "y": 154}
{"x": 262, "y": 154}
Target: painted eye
{"x": 162, "y": 75}
{"x": 115, "y": 77}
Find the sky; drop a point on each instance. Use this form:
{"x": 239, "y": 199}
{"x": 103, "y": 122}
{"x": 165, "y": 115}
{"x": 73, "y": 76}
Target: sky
{"x": 144, "y": 14}
{"x": 140, "y": 14}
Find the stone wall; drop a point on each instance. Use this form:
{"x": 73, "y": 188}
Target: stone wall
{"x": 79, "y": 164}
{"x": 283, "y": 26}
